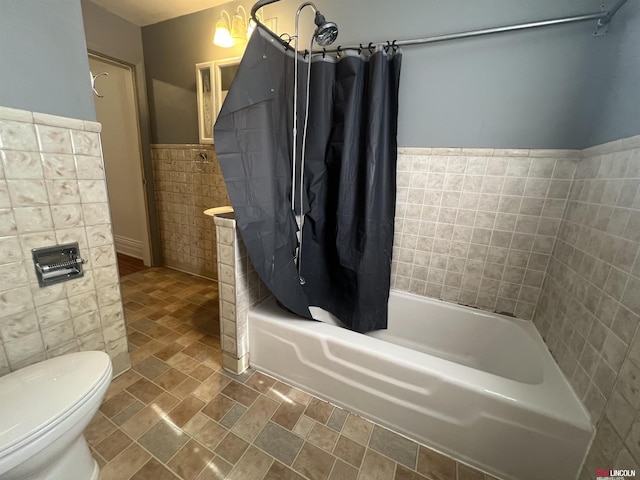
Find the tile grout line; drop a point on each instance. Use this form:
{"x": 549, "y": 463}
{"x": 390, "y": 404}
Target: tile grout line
{"x": 191, "y": 337}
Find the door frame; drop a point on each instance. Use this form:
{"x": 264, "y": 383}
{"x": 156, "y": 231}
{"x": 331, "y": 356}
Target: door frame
{"x": 154, "y": 257}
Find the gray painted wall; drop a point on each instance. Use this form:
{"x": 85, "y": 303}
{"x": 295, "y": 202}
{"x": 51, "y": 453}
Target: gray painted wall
{"x": 513, "y": 90}
{"x": 172, "y": 49}
{"x": 535, "y": 89}
{"x": 44, "y": 59}
{"x": 111, "y": 36}
{"x": 618, "y": 115}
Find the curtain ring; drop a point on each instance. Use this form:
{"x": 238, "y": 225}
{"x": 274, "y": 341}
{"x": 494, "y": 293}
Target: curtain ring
{"x": 395, "y": 47}
{"x": 324, "y": 52}
{"x": 360, "y": 49}
{"x": 387, "y": 47}
{"x": 304, "y": 56}
{"x": 370, "y": 47}
{"x": 339, "y": 51}
{"x": 288, "y": 41}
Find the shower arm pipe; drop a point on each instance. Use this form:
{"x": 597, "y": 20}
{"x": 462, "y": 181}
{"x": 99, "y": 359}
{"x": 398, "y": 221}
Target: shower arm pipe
{"x": 603, "y": 18}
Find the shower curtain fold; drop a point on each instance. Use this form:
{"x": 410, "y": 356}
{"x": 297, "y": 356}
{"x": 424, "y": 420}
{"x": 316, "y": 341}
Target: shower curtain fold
{"x": 252, "y": 141}
{"x": 349, "y": 178}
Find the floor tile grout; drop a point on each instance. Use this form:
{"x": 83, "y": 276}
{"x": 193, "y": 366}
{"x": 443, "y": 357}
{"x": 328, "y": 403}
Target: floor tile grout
{"x": 167, "y": 310}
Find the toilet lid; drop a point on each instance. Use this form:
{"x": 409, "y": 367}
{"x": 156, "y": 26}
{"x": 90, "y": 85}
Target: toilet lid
{"x": 35, "y": 396}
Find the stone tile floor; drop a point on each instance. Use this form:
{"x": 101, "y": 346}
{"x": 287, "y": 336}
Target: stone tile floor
{"x": 177, "y": 415}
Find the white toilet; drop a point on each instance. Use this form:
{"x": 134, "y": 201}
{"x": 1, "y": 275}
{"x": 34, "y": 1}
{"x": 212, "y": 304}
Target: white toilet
{"x": 44, "y": 409}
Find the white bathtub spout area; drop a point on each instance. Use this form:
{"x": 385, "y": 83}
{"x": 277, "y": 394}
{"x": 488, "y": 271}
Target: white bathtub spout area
{"x": 479, "y": 387}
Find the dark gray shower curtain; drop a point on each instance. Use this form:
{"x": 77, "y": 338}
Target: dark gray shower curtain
{"x": 349, "y": 178}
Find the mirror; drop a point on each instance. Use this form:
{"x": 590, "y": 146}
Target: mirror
{"x": 213, "y": 81}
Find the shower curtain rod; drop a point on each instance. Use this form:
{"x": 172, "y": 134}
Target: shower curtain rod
{"x": 603, "y": 21}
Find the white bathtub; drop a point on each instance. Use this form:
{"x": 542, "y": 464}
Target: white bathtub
{"x": 479, "y": 387}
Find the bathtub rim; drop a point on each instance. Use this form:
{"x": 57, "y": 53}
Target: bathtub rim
{"x": 554, "y": 378}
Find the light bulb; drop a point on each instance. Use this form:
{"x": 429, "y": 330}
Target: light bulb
{"x": 222, "y": 36}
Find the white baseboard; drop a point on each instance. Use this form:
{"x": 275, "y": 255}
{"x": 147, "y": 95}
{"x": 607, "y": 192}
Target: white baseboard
{"x": 128, "y": 246}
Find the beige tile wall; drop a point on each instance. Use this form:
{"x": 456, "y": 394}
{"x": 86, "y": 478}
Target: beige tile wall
{"x": 52, "y": 191}
{"x": 555, "y": 234}
{"x": 240, "y": 289}
{"x": 477, "y": 226}
{"x": 589, "y": 308}
{"x": 185, "y": 186}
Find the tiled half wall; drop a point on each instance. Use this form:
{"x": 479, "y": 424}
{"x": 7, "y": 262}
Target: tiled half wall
{"x": 53, "y": 191}
{"x": 240, "y": 289}
{"x": 477, "y": 226}
{"x": 589, "y": 308}
{"x": 186, "y": 184}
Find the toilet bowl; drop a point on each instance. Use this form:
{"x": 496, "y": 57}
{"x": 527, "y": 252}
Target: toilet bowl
{"x": 44, "y": 409}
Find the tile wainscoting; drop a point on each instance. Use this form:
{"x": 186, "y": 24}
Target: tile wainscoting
{"x": 589, "y": 307}
{"x": 473, "y": 226}
{"x": 185, "y": 186}
{"x": 547, "y": 235}
{"x": 53, "y": 191}
{"x": 477, "y": 226}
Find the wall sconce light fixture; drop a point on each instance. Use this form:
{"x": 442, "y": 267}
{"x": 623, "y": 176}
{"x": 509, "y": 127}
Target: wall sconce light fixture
{"x": 222, "y": 35}
{"x": 239, "y": 26}
{"x": 236, "y": 35}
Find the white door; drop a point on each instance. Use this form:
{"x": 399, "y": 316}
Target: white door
{"x": 117, "y": 112}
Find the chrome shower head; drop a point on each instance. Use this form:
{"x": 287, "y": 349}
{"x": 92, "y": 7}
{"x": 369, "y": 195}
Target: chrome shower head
{"x": 326, "y": 33}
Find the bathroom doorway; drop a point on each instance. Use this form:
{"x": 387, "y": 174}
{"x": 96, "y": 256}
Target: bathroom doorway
{"x": 116, "y": 110}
